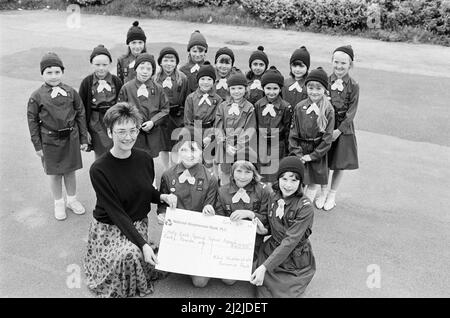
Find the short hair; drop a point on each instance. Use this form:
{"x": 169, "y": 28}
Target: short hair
{"x": 248, "y": 166}
{"x": 120, "y": 113}
{"x": 298, "y": 193}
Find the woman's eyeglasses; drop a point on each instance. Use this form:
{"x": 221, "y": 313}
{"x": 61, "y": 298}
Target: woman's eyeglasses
{"x": 123, "y": 133}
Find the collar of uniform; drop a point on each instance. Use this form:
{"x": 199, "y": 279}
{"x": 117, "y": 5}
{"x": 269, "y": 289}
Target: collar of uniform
{"x": 164, "y": 76}
{"x": 276, "y": 102}
{"x": 289, "y": 200}
{"x": 243, "y": 104}
{"x": 233, "y": 188}
{"x": 200, "y": 93}
{"x": 108, "y": 78}
{"x": 148, "y": 83}
{"x": 50, "y": 88}
{"x": 345, "y": 79}
{"x": 290, "y": 80}
{"x": 194, "y": 170}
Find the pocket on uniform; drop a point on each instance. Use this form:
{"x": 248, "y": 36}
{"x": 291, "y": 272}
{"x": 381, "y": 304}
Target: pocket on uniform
{"x": 302, "y": 257}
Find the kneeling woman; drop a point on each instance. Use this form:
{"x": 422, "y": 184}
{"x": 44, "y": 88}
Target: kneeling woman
{"x": 286, "y": 261}
{"x": 120, "y": 260}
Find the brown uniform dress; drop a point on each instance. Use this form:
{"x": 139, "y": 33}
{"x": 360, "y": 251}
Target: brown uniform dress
{"x": 259, "y": 195}
{"x": 191, "y": 197}
{"x": 155, "y": 107}
{"x": 287, "y": 254}
{"x": 191, "y": 75}
{"x": 96, "y": 104}
{"x": 272, "y": 132}
{"x": 293, "y": 97}
{"x": 238, "y": 131}
{"x": 343, "y": 154}
{"x": 125, "y": 67}
{"x": 306, "y": 139}
{"x": 46, "y": 115}
{"x": 177, "y": 97}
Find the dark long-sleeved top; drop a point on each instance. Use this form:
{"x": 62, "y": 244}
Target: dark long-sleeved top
{"x": 345, "y": 103}
{"x": 124, "y": 191}
{"x": 87, "y": 93}
{"x": 291, "y": 231}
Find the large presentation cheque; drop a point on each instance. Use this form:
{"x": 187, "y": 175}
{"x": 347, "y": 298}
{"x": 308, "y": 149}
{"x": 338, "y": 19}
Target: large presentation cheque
{"x": 210, "y": 246}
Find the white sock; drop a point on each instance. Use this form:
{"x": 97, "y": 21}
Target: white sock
{"x": 324, "y": 192}
{"x": 60, "y": 201}
{"x": 311, "y": 193}
{"x": 71, "y": 199}
{"x": 332, "y": 194}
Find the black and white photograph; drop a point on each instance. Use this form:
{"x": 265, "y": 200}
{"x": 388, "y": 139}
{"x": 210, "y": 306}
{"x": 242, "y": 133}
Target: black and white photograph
{"x": 225, "y": 153}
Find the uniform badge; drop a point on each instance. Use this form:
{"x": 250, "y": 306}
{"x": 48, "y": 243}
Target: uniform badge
{"x": 227, "y": 206}
{"x": 304, "y": 107}
{"x": 172, "y": 189}
{"x": 200, "y": 185}
{"x": 173, "y": 182}
{"x": 152, "y": 91}
{"x": 93, "y": 100}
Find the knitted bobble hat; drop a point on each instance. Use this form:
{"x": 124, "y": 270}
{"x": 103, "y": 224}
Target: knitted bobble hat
{"x": 237, "y": 79}
{"x": 135, "y": 33}
{"x": 301, "y": 54}
{"x": 51, "y": 59}
{"x": 225, "y": 51}
{"x": 100, "y": 50}
{"x": 206, "y": 70}
{"x": 272, "y": 75}
{"x": 168, "y": 50}
{"x": 318, "y": 75}
{"x": 258, "y": 55}
{"x": 145, "y": 57}
{"x": 197, "y": 39}
{"x": 291, "y": 164}
{"x": 346, "y": 49}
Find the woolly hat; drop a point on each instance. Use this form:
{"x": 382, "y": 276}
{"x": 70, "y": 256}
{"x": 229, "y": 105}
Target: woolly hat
{"x": 206, "y": 70}
{"x": 145, "y": 57}
{"x": 168, "y": 50}
{"x": 237, "y": 79}
{"x": 225, "y": 50}
{"x": 197, "y": 39}
{"x": 291, "y": 164}
{"x": 135, "y": 33}
{"x": 258, "y": 55}
{"x": 301, "y": 54}
{"x": 51, "y": 59}
{"x": 346, "y": 49}
{"x": 318, "y": 75}
{"x": 100, "y": 50}
{"x": 272, "y": 75}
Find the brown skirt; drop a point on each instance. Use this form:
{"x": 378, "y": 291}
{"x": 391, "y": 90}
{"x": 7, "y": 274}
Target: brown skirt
{"x": 114, "y": 266}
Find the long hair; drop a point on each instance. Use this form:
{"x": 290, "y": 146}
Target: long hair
{"x": 247, "y": 165}
{"x": 322, "y": 120}
{"x": 160, "y": 72}
{"x": 298, "y": 193}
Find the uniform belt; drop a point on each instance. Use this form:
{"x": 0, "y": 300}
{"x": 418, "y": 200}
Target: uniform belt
{"x": 60, "y": 133}
{"x": 101, "y": 109}
{"x": 207, "y": 124}
{"x": 311, "y": 139}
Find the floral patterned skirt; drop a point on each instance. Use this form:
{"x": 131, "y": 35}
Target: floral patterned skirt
{"x": 114, "y": 266}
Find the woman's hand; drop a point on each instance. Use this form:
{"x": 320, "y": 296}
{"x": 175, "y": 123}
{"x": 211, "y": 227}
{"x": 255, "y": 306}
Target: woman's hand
{"x": 40, "y": 153}
{"x": 170, "y": 199}
{"x": 208, "y": 210}
{"x": 149, "y": 255}
{"x": 257, "y": 277}
{"x": 147, "y": 126}
{"x": 336, "y": 134}
{"x": 242, "y": 214}
{"x": 161, "y": 218}
{"x": 260, "y": 228}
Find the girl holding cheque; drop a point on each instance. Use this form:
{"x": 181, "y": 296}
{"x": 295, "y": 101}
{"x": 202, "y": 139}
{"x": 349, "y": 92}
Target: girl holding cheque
{"x": 286, "y": 263}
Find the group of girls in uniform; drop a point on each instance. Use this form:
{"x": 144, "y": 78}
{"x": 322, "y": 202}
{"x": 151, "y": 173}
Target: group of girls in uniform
{"x": 269, "y": 149}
